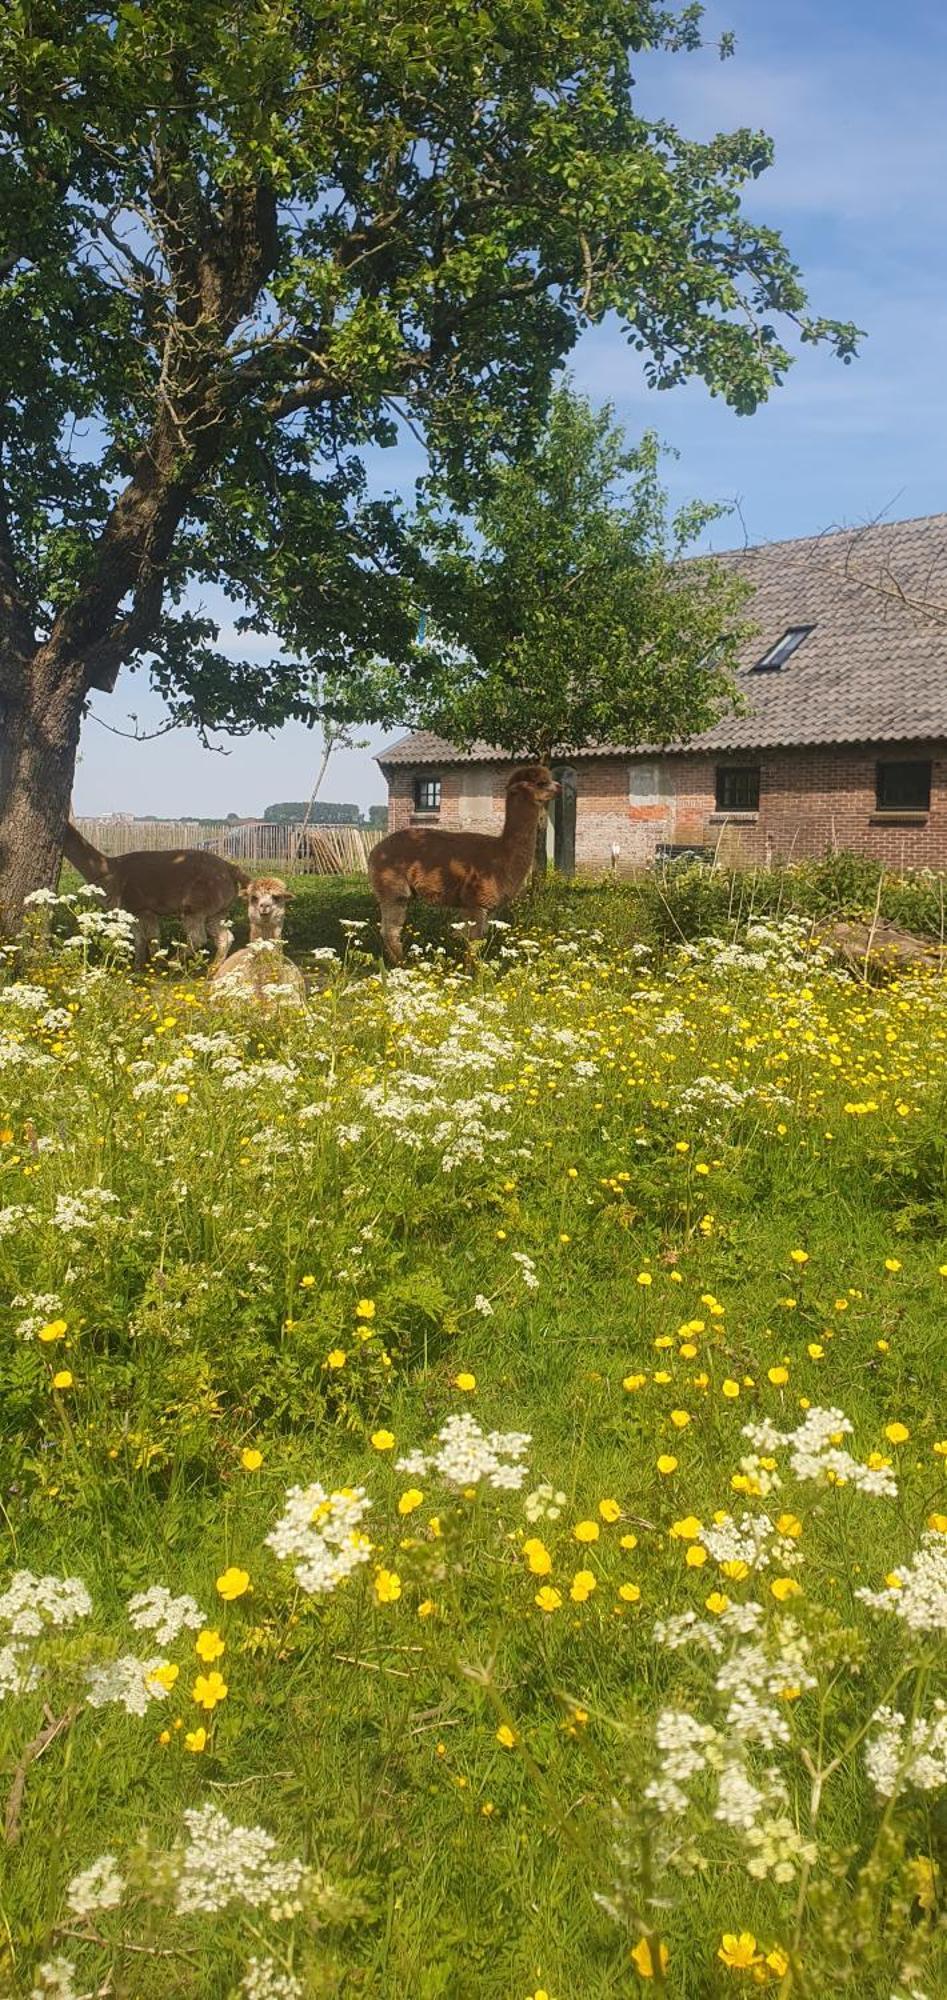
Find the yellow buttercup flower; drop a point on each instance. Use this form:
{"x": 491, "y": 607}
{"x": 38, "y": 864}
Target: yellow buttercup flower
{"x": 164, "y": 1676}
{"x": 383, "y": 1440}
{"x": 336, "y": 1357}
{"x": 784, "y": 1587}
{"x": 209, "y": 1689}
{"x": 55, "y": 1329}
{"x": 387, "y": 1586}
{"x": 739, "y": 1952}
{"x": 586, "y": 1531}
{"x": 696, "y": 1556}
{"x": 666, "y": 1464}
{"x": 643, "y": 1958}
{"x": 582, "y": 1586}
{"x": 233, "y": 1583}
{"x": 410, "y": 1499}
{"x": 547, "y": 1598}
{"x": 686, "y": 1530}
{"x": 506, "y": 1736}
{"x": 250, "y": 1458}
{"x": 209, "y": 1646}
{"x": 789, "y": 1524}
{"x": 609, "y": 1510}
{"x": 465, "y": 1380}
{"x": 778, "y": 1376}
{"x": 630, "y": 1593}
{"x": 63, "y": 1378}
{"x": 538, "y": 1558}
{"x": 365, "y": 1309}
{"x": 897, "y": 1433}
{"x": 196, "y": 1740}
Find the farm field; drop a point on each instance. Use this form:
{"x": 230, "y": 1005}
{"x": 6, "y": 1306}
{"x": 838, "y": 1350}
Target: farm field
{"x": 474, "y": 1469}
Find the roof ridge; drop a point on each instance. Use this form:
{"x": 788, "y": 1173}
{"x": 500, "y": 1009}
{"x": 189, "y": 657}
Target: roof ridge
{"x": 826, "y": 535}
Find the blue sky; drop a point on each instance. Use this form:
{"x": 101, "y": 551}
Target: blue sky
{"x": 852, "y": 92}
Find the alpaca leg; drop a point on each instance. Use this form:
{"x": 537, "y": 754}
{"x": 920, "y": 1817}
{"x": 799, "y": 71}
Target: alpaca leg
{"x": 393, "y": 912}
{"x": 146, "y": 932}
{"x": 476, "y": 932}
{"x": 221, "y": 937}
{"x": 195, "y": 931}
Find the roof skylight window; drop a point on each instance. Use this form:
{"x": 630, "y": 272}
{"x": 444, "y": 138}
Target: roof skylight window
{"x": 783, "y": 650}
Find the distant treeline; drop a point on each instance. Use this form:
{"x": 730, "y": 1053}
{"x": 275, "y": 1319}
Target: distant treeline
{"x": 323, "y": 813}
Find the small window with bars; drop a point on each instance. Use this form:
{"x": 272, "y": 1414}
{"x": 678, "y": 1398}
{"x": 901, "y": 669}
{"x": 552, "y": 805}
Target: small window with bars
{"x": 427, "y": 795}
{"x": 903, "y": 785}
{"x": 738, "y": 787}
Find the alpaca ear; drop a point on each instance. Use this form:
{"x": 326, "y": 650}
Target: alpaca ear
{"x": 289, "y": 894}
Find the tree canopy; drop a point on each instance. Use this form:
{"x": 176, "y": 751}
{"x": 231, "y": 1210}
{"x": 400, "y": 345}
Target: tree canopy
{"x": 569, "y": 615}
{"x": 241, "y": 242}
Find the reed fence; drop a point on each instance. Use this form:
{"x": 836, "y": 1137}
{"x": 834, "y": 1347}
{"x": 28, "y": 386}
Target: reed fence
{"x": 300, "y": 850}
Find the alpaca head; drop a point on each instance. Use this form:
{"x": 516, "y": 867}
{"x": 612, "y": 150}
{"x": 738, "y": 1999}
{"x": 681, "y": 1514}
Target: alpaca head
{"x": 267, "y": 898}
{"x": 532, "y": 782}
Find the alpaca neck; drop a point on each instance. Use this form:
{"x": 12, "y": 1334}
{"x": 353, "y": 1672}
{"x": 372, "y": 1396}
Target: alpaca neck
{"x": 86, "y": 859}
{"x": 519, "y": 835}
{"x": 266, "y": 929}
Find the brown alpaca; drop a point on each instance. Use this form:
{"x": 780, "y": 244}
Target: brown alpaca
{"x": 174, "y": 882}
{"x": 463, "y": 871}
{"x": 260, "y": 972}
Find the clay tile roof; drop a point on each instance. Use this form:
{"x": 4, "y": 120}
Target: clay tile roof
{"x": 873, "y": 670}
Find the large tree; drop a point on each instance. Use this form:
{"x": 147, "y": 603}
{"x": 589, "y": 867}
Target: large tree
{"x": 239, "y": 241}
{"x": 572, "y": 613}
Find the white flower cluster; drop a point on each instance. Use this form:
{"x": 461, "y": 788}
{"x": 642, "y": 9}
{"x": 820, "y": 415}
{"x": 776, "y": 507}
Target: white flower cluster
{"x": 898, "y": 1755}
{"x": 223, "y": 1864}
{"x": 31, "y": 999}
{"x": 778, "y": 1849}
{"x": 56, "y": 1979}
{"x": 466, "y": 1456}
{"x": 99, "y": 1887}
{"x": 322, "y": 1534}
{"x": 265, "y": 1980}
{"x": 15, "y": 1054}
{"x": 10, "y": 1218}
{"x": 128, "y": 1681}
{"x": 156, "y": 1611}
{"x": 919, "y": 1598}
{"x": 28, "y": 1607}
{"x": 753, "y": 1540}
{"x": 756, "y": 1681}
{"x": 31, "y": 1603}
{"x": 43, "y": 1306}
{"x": 683, "y": 1743}
{"x": 686, "y": 1629}
{"x": 816, "y": 1452}
{"x": 74, "y": 1213}
{"x": 544, "y": 1504}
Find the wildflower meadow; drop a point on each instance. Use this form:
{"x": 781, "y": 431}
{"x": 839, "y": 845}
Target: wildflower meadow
{"x": 474, "y": 1470}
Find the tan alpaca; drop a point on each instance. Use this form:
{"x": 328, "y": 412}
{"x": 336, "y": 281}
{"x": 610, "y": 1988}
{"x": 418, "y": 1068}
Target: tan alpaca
{"x": 260, "y": 973}
{"x": 472, "y": 872}
{"x": 174, "y": 882}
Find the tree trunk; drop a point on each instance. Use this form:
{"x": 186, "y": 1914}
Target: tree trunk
{"x": 37, "y": 764}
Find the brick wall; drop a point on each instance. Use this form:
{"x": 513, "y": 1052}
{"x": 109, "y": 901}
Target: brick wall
{"x": 812, "y": 801}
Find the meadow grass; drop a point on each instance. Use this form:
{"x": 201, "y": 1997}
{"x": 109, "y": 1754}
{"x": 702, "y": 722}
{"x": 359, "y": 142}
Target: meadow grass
{"x": 625, "y": 1209}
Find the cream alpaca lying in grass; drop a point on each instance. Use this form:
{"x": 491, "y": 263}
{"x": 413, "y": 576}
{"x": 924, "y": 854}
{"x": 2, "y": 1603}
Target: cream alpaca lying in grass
{"x": 260, "y": 972}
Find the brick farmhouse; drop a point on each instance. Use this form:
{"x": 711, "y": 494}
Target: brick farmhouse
{"x": 841, "y": 742}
